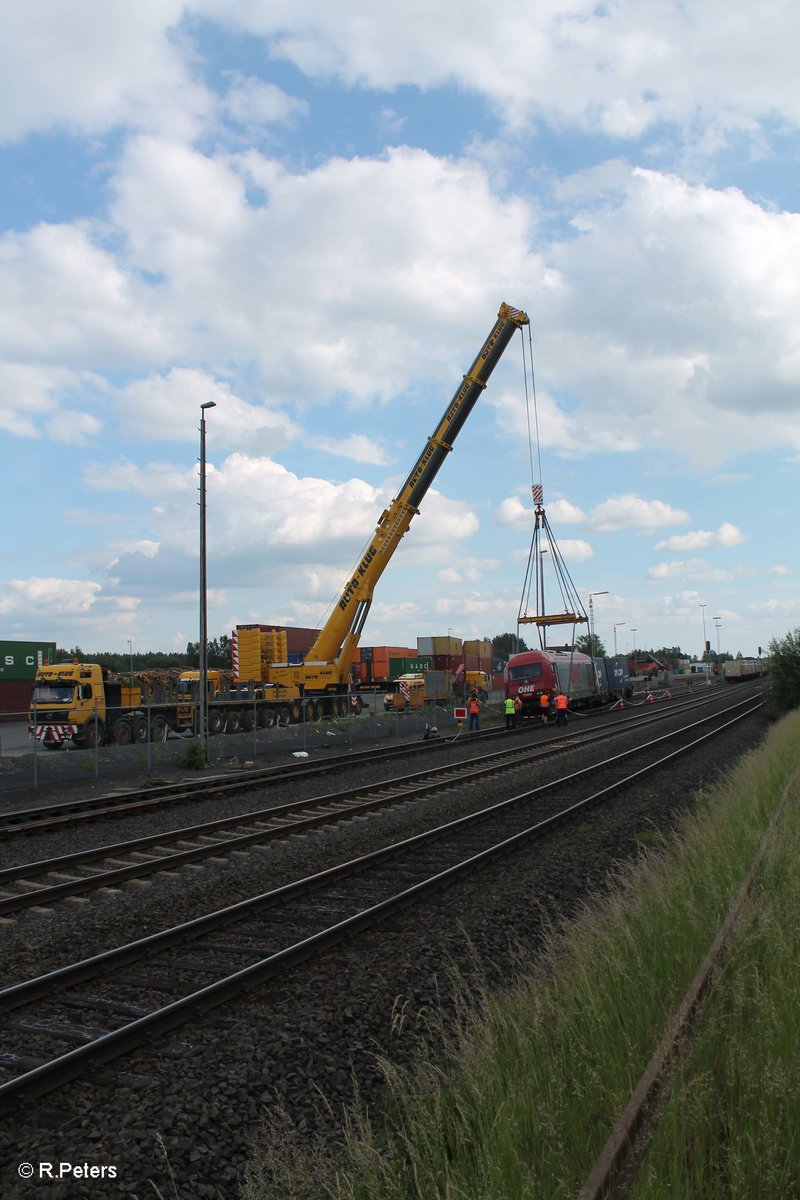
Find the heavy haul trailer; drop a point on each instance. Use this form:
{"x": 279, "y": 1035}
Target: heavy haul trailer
{"x": 322, "y": 682}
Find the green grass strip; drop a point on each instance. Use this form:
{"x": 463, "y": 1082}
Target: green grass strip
{"x": 534, "y": 1078}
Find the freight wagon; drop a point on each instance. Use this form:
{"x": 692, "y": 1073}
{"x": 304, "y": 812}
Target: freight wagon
{"x": 741, "y": 669}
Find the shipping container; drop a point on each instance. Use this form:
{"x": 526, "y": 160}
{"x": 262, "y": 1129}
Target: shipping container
{"x": 437, "y": 685}
{"x": 15, "y": 699}
{"x": 425, "y": 645}
{"x": 448, "y": 662}
{"x": 409, "y": 665}
{"x": 478, "y": 646}
{"x": 20, "y": 660}
{"x": 447, "y": 645}
{"x": 472, "y": 662}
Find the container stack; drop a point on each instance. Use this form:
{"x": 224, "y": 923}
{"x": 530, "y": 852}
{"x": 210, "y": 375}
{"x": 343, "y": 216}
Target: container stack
{"x": 478, "y": 656}
{"x": 19, "y": 662}
{"x": 373, "y": 663}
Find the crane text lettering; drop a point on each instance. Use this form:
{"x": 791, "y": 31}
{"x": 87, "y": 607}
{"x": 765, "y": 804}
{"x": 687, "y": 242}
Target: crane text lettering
{"x": 352, "y": 586}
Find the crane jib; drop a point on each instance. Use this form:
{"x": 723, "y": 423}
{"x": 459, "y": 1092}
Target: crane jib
{"x": 361, "y": 569}
{"x": 335, "y": 642}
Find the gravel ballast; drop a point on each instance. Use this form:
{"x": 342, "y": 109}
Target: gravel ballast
{"x": 317, "y": 1035}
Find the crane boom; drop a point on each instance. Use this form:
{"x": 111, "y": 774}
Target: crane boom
{"x": 339, "y": 636}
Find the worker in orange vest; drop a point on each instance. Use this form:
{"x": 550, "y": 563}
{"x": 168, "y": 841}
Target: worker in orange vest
{"x": 544, "y": 707}
{"x": 474, "y": 710}
{"x": 561, "y": 709}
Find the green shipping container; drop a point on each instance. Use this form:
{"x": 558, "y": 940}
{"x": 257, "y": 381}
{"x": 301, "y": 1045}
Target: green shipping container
{"x": 19, "y": 661}
{"x": 409, "y": 666}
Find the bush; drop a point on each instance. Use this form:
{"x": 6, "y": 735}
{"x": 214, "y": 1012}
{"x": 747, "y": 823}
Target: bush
{"x": 192, "y": 757}
{"x": 784, "y": 680}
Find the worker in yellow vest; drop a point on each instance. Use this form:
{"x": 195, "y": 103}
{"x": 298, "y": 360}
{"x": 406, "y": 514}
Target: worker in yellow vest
{"x": 511, "y": 713}
{"x": 561, "y": 709}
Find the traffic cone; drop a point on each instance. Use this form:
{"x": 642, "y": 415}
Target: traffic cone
{"x": 669, "y": 695}
{"x": 621, "y": 702}
{"x": 650, "y": 698}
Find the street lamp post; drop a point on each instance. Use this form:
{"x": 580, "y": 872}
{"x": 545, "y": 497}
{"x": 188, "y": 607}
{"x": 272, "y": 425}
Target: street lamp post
{"x": 717, "y": 623}
{"x": 203, "y": 657}
{"x": 592, "y": 642}
{"x": 617, "y": 626}
{"x": 703, "y": 608}
{"x": 634, "y": 633}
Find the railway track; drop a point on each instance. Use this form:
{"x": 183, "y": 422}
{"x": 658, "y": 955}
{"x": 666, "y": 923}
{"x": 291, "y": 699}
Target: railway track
{"x": 37, "y": 885}
{"x": 264, "y": 937}
{"x": 59, "y": 814}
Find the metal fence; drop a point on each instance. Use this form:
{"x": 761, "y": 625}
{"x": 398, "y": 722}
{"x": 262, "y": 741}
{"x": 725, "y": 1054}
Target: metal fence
{"x": 26, "y": 763}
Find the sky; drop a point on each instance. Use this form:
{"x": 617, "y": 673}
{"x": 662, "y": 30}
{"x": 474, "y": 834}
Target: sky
{"x": 309, "y": 213}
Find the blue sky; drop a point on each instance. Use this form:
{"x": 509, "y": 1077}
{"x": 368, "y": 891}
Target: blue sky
{"x": 309, "y": 213}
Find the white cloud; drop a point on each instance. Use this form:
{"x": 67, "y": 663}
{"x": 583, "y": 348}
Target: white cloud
{"x": 513, "y": 513}
{"x": 37, "y": 595}
{"x": 357, "y": 446}
{"x": 251, "y": 103}
{"x": 726, "y": 536}
{"x": 90, "y": 68}
{"x": 167, "y": 407}
{"x": 575, "y": 551}
{"x": 693, "y": 568}
{"x": 562, "y": 512}
{"x": 618, "y": 70}
{"x": 633, "y": 512}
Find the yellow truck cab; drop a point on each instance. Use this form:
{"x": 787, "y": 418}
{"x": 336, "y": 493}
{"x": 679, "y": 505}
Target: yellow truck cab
{"x": 79, "y": 701}
{"x": 478, "y": 681}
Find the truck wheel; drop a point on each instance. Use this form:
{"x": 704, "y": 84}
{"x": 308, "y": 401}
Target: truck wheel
{"x": 357, "y": 706}
{"x": 296, "y": 711}
{"x": 312, "y": 711}
{"x": 248, "y": 720}
{"x": 266, "y": 718}
{"x": 158, "y": 729}
{"x": 122, "y": 732}
{"x": 139, "y": 729}
{"x": 216, "y": 721}
{"x": 232, "y": 722}
{"x": 284, "y": 716}
{"x": 94, "y": 735}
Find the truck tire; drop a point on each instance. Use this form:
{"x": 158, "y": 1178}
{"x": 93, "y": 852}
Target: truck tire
{"x": 248, "y": 720}
{"x": 233, "y": 722}
{"x": 312, "y": 711}
{"x": 284, "y": 716}
{"x": 216, "y": 721}
{"x": 122, "y": 732}
{"x": 296, "y": 711}
{"x": 266, "y": 718}
{"x": 158, "y": 728}
{"x": 94, "y": 734}
{"x": 140, "y": 730}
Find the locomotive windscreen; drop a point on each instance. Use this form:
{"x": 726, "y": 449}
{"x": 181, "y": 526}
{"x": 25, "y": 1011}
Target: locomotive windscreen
{"x": 529, "y": 670}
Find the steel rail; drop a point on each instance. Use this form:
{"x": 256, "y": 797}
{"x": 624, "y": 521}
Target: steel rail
{"x": 626, "y": 1135}
{"x": 67, "y": 1067}
{"x": 398, "y": 790}
{"x": 71, "y": 812}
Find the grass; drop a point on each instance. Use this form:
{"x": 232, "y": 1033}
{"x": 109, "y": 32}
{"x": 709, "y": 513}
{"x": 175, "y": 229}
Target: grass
{"x": 533, "y": 1079}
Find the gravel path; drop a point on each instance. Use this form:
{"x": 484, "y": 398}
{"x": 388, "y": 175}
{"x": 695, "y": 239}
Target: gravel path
{"x": 204, "y": 1098}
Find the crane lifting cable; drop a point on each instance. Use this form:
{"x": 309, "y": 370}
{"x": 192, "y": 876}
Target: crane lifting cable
{"x": 545, "y": 560}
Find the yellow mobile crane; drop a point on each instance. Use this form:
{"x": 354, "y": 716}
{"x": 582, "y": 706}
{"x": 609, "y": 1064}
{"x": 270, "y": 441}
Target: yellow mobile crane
{"x": 322, "y": 679}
